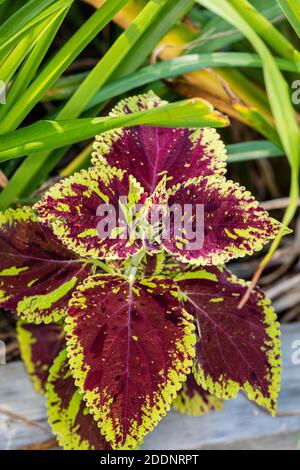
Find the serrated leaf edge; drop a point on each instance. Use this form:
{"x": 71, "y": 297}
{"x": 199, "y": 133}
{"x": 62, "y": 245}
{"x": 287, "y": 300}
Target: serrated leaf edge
{"x": 165, "y": 399}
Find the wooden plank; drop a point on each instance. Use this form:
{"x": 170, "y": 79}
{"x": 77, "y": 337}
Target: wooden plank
{"x": 18, "y": 397}
{"x": 241, "y": 425}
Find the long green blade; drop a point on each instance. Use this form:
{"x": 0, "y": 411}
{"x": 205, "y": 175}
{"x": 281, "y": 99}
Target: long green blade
{"x": 219, "y": 34}
{"x": 112, "y": 59}
{"x": 48, "y": 135}
{"x": 182, "y": 65}
{"x": 280, "y": 102}
{"x": 31, "y": 65}
{"x": 36, "y": 169}
{"x": 291, "y": 9}
{"x": 65, "y": 87}
{"x": 170, "y": 15}
{"x": 255, "y": 150}
{"x": 25, "y": 18}
{"x": 13, "y": 61}
{"x": 264, "y": 28}
{"x": 277, "y": 87}
{"x": 61, "y": 61}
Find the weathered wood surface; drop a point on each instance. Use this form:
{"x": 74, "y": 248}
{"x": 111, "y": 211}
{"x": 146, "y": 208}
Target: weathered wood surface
{"x": 240, "y": 426}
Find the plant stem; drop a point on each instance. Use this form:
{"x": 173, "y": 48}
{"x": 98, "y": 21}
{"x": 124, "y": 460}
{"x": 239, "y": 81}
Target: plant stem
{"x": 99, "y": 264}
{"x": 133, "y": 266}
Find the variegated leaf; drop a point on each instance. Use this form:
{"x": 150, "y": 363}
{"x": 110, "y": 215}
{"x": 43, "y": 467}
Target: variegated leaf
{"x": 69, "y": 417}
{"x": 148, "y": 153}
{"x": 216, "y": 221}
{"x": 193, "y": 400}
{"x": 172, "y": 267}
{"x": 130, "y": 349}
{"x": 40, "y": 345}
{"x": 152, "y": 265}
{"x": 37, "y": 273}
{"x": 238, "y": 349}
{"x": 85, "y": 213}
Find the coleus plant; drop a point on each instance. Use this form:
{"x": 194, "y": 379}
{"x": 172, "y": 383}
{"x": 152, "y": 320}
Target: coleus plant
{"x": 115, "y": 330}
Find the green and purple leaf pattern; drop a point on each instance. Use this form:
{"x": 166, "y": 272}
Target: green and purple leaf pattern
{"x": 234, "y": 225}
{"x": 37, "y": 273}
{"x": 237, "y": 349}
{"x": 39, "y": 346}
{"x": 152, "y": 265}
{"x": 138, "y": 342}
{"x": 148, "y": 153}
{"x": 153, "y": 167}
{"x": 193, "y": 400}
{"x": 70, "y": 209}
{"x": 69, "y": 417}
{"x": 130, "y": 348}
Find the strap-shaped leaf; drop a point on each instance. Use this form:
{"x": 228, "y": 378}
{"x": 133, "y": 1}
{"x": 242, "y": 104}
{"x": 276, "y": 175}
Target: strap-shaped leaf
{"x": 154, "y": 151}
{"x": 238, "y": 349}
{"x": 130, "y": 349}
{"x": 232, "y": 222}
{"x": 70, "y": 208}
{"x": 39, "y": 345}
{"x": 37, "y": 273}
{"x": 69, "y": 418}
{"x": 193, "y": 400}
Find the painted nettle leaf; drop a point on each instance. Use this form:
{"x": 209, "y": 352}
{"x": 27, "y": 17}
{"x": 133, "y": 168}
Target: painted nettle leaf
{"x": 70, "y": 208}
{"x": 237, "y": 349}
{"x": 148, "y": 153}
{"x": 37, "y": 273}
{"x": 71, "y": 421}
{"x": 40, "y": 345}
{"x": 125, "y": 315}
{"x": 193, "y": 400}
{"x": 234, "y": 223}
{"x": 131, "y": 347}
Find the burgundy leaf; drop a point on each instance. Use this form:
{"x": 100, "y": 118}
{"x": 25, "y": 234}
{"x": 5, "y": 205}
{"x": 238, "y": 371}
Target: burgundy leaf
{"x": 40, "y": 345}
{"x": 193, "y": 400}
{"x": 152, "y": 265}
{"x": 37, "y": 273}
{"x": 130, "y": 349}
{"x": 69, "y": 418}
{"x": 237, "y": 349}
{"x": 223, "y": 220}
{"x": 150, "y": 152}
{"x": 71, "y": 209}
